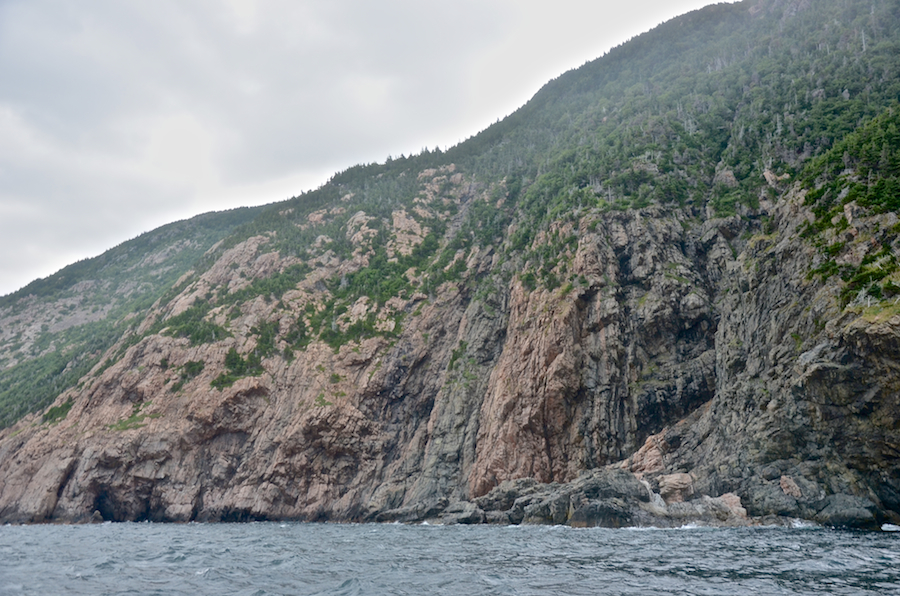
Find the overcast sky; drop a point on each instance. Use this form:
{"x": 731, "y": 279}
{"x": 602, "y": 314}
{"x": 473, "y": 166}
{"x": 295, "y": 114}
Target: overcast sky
{"x": 119, "y": 116}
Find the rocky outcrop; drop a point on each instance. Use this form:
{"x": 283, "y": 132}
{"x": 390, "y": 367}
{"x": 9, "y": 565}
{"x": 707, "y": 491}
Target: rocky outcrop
{"x": 801, "y": 421}
{"x": 710, "y": 378}
{"x": 585, "y": 377}
{"x": 608, "y": 497}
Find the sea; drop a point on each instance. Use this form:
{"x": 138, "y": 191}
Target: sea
{"x": 346, "y": 559}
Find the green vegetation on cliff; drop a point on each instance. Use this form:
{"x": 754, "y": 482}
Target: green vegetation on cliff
{"x": 82, "y": 310}
{"x": 859, "y": 176}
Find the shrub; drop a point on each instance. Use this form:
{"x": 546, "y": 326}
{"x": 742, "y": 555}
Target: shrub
{"x": 192, "y": 324}
{"x": 188, "y": 371}
{"x": 238, "y": 367}
{"x": 57, "y": 413}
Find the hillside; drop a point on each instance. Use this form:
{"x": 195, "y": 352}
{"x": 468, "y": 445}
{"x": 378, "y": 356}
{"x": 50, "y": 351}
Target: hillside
{"x": 668, "y": 283}
{"x": 54, "y": 330}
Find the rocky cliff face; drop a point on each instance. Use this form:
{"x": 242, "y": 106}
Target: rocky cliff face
{"x": 804, "y": 420}
{"x": 696, "y": 355}
{"x": 635, "y": 301}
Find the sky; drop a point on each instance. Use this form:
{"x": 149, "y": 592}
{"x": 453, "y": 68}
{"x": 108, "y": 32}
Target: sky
{"x": 119, "y": 116}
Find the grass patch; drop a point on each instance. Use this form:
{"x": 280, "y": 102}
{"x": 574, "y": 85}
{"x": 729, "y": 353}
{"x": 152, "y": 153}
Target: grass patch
{"x": 456, "y": 354}
{"x": 881, "y": 312}
{"x": 57, "y": 413}
{"x": 136, "y": 420}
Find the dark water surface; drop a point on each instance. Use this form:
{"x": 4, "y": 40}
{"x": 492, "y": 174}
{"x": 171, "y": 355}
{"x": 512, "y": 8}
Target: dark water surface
{"x": 272, "y": 558}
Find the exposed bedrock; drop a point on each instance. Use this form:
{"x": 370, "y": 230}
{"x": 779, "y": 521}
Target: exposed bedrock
{"x": 692, "y": 373}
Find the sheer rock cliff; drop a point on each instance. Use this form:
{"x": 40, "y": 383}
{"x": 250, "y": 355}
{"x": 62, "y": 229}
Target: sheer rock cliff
{"x": 698, "y": 356}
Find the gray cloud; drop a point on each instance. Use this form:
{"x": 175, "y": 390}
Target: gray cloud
{"x": 119, "y": 116}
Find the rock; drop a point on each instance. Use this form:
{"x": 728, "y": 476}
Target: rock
{"x": 770, "y": 472}
{"x": 498, "y": 517}
{"x": 649, "y": 458}
{"x": 410, "y": 513}
{"x": 675, "y": 488}
{"x": 606, "y": 513}
{"x": 604, "y": 497}
{"x": 790, "y": 487}
{"x": 610, "y": 482}
{"x": 733, "y": 503}
{"x": 848, "y": 511}
{"x": 769, "y": 499}
{"x": 727, "y": 178}
{"x": 462, "y": 513}
{"x": 555, "y": 509}
{"x": 505, "y": 494}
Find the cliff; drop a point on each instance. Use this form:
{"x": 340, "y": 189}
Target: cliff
{"x": 655, "y": 336}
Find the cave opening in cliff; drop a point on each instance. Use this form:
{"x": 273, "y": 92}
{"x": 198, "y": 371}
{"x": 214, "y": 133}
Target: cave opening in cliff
{"x": 104, "y": 505}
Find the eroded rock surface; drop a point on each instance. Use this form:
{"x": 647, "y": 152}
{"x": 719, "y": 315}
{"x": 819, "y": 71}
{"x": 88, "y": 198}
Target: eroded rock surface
{"x": 692, "y": 373}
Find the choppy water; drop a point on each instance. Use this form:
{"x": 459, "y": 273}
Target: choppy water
{"x": 272, "y": 558}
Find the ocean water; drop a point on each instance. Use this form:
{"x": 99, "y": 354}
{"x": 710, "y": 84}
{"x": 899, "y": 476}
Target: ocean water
{"x": 336, "y": 559}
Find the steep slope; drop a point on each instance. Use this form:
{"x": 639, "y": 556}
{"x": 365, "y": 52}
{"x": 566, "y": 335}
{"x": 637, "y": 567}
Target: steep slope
{"x": 679, "y": 260}
{"x": 55, "y": 329}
